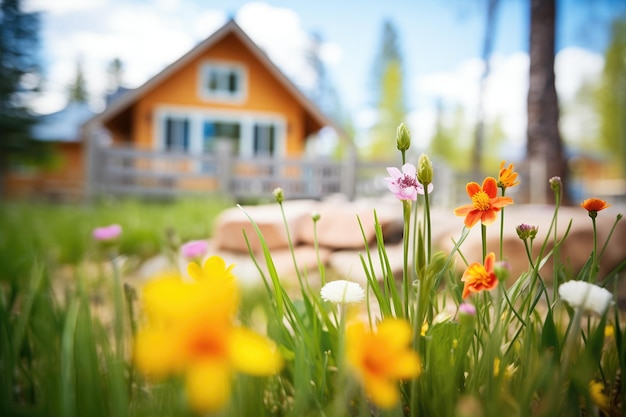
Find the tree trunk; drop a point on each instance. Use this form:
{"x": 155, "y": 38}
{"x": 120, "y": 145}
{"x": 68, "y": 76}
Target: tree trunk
{"x": 544, "y": 149}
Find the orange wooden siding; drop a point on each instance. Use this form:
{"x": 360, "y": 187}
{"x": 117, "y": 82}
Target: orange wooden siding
{"x": 264, "y": 94}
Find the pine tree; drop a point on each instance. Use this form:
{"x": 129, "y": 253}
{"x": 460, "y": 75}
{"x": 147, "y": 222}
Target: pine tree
{"x": 77, "y": 90}
{"x": 19, "y": 75}
{"x": 390, "y": 95}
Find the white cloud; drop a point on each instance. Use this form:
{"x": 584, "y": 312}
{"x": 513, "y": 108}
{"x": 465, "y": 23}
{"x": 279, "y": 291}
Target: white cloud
{"x": 573, "y": 66}
{"x": 61, "y": 7}
{"x": 279, "y": 31}
{"x": 506, "y": 89}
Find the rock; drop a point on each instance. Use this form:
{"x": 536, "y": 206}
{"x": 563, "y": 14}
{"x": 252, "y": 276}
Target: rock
{"x": 339, "y": 228}
{"x": 231, "y": 224}
{"x": 573, "y": 253}
{"x": 347, "y": 263}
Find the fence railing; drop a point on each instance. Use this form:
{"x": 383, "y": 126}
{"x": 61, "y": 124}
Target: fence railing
{"x": 131, "y": 171}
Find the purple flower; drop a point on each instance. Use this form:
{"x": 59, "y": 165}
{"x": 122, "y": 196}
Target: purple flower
{"x": 194, "y": 249}
{"x": 403, "y": 184}
{"x": 107, "y": 233}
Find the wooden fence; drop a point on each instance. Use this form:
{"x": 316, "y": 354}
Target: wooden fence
{"x": 130, "y": 171}
{"x": 126, "y": 171}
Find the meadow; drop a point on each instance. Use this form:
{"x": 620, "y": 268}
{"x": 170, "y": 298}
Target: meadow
{"x": 185, "y": 343}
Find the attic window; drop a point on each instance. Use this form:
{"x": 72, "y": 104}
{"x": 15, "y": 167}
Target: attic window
{"x": 222, "y": 81}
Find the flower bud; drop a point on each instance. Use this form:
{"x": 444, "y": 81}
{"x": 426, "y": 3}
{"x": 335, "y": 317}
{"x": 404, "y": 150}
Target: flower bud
{"x": 502, "y": 270}
{"x": 424, "y": 170}
{"x": 555, "y": 183}
{"x": 315, "y": 215}
{"x": 526, "y": 231}
{"x": 279, "y": 195}
{"x": 403, "y": 138}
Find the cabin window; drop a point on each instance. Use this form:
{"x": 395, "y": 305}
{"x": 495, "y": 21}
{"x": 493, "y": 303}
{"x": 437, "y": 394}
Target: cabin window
{"x": 223, "y": 81}
{"x": 264, "y": 139}
{"x": 214, "y": 131}
{"x": 176, "y": 134}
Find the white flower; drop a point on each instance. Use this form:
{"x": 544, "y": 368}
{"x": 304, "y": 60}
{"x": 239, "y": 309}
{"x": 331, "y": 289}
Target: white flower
{"x": 591, "y": 297}
{"x": 342, "y": 291}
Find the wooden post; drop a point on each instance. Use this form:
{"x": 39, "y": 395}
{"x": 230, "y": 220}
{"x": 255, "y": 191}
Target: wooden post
{"x": 348, "y": 174}
{"x": 224, "y": 153}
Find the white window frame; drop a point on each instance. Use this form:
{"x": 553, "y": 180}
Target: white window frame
{"x": 223, "y": 94}
{"x": 197, "y": 117}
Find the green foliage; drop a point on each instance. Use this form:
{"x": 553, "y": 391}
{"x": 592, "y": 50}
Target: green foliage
{"x": 612, "y": 97}
{"x": 19, "y": 42}
{"x": 523, "y": 351}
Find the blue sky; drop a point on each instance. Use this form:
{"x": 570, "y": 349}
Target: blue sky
{"x": 440, "y": 40}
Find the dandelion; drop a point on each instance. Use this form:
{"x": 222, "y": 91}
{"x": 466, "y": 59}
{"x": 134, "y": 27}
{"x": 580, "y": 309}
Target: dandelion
{"x": 403, "y": 184}
{"x": 342, "y": 292}
{"x": 593, "y": 206}
{"x": 194, "y": 249}
{"x": 382, "y": 358}
{"x": 190, "y": 331}
{"x": 107, "y": 233}
{"x": 507, "y": 177}
{"x": 485, "y": 203}
{"x": 590, "y": 297}
{"x": 479, "y": 277}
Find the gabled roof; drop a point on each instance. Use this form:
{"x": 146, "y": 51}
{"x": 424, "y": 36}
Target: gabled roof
{"x": 62, "y": 126}
{"x": 129, "y": 98}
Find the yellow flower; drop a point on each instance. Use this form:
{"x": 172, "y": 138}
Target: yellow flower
{"x": 597, "y": 395}
{"x": 190, "y": 331}
{"x": 509, "y": 370}
{"x": 507, "y": 177}
{"x": 214, "y": 269}
{"x": 380, "y": 359}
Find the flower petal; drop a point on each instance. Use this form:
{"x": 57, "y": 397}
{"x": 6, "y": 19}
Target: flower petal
{"x": 394, "y": 172}
{"x": 253, "y": 354}
{"x": 463, "y": 210}
{"x": 194, "y": 270}
{"x": 489, "y": 216}
{"x": 490, "y": 262}
{"x": 472, "y": 218}
{"x": 490, "y": 186}
{"x": 208, "y": 385}
{"x": 409, "y": 169}
{"x": 472, "y": 188}
{"x": 383, "y": 392}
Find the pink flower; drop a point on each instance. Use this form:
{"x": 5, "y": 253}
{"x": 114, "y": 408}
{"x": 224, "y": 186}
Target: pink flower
{"x": 467, "y": 308}
{"x": 107, "y": 233}
{"x": 194, "y": 249}
{"x": 404, "y": 185}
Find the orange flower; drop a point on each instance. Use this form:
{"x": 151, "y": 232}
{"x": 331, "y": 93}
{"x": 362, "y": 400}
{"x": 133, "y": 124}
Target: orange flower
{"x": 479, "y": 277}
{"x": 508, "y": 176}
{"x": 380, "y": 359}
{"x": 485, "y": 203}
{"x": 594, "y": 205}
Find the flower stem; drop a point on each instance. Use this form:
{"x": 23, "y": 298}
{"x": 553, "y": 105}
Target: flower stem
{"x": 483, "y": 230}
{"x": 406, "y": 281}
{"x": 502, "y": 224}
{"x": 428, "y": 226}
{"x": 594, "y": 254}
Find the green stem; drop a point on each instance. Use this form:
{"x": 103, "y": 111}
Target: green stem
{"x": 428, "y": 226}
{"x": 483, "y": 230}
{"x": 502, "y": 225}
{"x": 119, "y": 309}
{"x": 406, "y": 207}
{"x": 317, "y": 254}
{"x": 594, "y": 254}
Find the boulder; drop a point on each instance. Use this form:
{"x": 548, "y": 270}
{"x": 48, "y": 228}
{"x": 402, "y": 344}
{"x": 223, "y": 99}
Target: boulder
{"x": 232, "y": 223}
